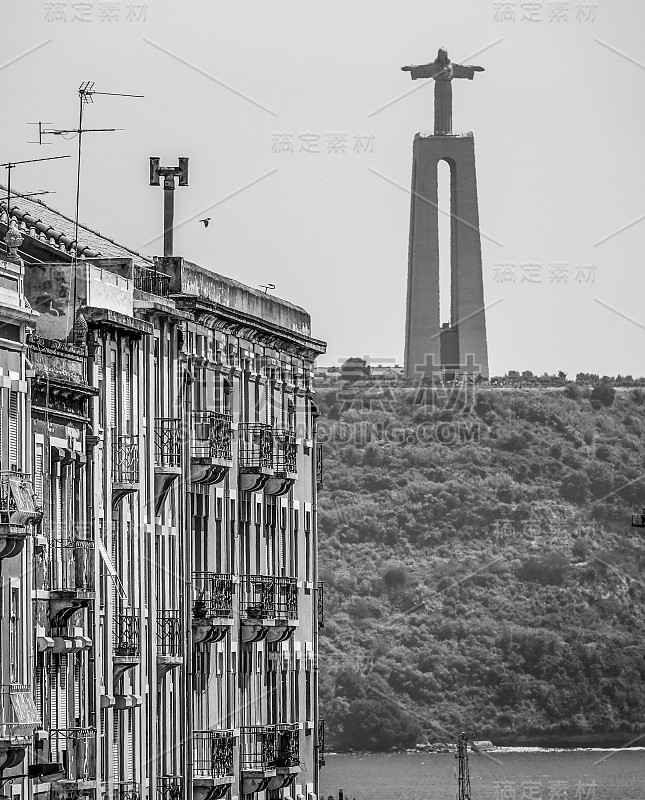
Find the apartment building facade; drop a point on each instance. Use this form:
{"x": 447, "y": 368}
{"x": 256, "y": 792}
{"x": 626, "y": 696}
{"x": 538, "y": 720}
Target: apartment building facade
{"x": 166, "y": 565}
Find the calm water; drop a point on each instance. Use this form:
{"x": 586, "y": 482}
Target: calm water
{"x": 506, "y": 775}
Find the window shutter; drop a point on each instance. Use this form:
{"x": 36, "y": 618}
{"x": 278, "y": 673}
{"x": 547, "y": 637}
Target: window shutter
{"x": 38, "y": 473}
{"x": 113, "y": 392}
{"x": 13, "y": 430}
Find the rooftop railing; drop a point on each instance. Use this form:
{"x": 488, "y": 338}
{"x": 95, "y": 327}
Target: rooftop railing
{"x": 151, "y": 281}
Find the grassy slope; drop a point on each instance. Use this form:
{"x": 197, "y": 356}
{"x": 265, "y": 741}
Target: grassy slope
{"x": 494, "y": 586}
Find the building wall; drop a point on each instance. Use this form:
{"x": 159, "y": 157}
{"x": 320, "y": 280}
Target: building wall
{"x": 171, "y": 637}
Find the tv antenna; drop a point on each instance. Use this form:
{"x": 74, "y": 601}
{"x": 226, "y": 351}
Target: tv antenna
{"x": 9, "y": 165}
{"x": 86, "y": 94}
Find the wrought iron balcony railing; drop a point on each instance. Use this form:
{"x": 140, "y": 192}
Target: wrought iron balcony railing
{"x": 286, "y": 598}
{"x": 213, "y": 754}
{"x": 212, "y": 595}
{"x": 287, "y": 745}
{"x": 638, "y": 520}
{"x": 72, "y": 566}
{"x": 257, "y": 597}
{"x": 167, "y": 442}
{"x": 127, "y": 633}
{"x": 258, "y": 748}
{"x": 75, "y": 748}
{"x": 169, "y": 787}
{"x": 211, "y": 435}
{"x": 17, "y": 499}
{"x": 84, "y": 564}
{"x": 125, "y": 458}
{"x": 286, "y": 451}
{"x": 18, "y": 714}
{"x": 168, "y": 633}
{"x": 320, "y": 603}
{"x": 151, "y": 281}
{"x": 127, "y": 790}
{"x": 255, "y": 446}
{"x": 319, "y": 466}
{"x": 320, "y": 745}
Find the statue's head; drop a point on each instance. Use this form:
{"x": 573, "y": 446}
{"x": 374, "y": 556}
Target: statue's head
{"x": 442, "y": 56}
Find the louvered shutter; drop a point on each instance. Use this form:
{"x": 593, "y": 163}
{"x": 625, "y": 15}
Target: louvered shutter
{"x": 77, "y": 685}
{"x": 13, "y": 430}
{"x": 113, "y": 392}
{"x": 116, "y": 746}
{"x": 38, "y": 473}
{"x": 129, "y": 746}
{"x": 127, "y": 393}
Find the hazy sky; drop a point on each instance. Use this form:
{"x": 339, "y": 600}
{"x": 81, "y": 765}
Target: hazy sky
{"x": 247, "y": 91}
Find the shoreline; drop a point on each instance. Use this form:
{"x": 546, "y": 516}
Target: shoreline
{"x": 508, "y": 743}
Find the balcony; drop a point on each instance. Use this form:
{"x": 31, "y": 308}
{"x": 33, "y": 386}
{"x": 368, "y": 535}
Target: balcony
{"x": 127, "y": 641}
{"x": 638, "y": 520}
{"x": 286, "y": 609}
{"x": 125, "y": 465}
{"x": 319, "y": 466}
{"x": 127, "y": 790}
{"x": 151, "y": 281}
{"x": 169, "y": 642}
{"x": 18, "y": 715}
{"x": 167, "y": 457}
{"x": 71, "y": 579}
{"x": 257, "y": 606}
{"x": 257, "y": 757}
{"x": 212, "y": 606}
{"x": 288, "y": 748}
{"x": 169, "y": 787}
{"x": 17, "y": 509}
{"x": 212, "y": 763}
{"x": 255, "y": 455}
{"x": 75, "y": 749}
{"x": 320, "y": 744}
{"x": 320, "y": 604}
{"x": 210, "y": 450}
{"x": 284, "y": 463}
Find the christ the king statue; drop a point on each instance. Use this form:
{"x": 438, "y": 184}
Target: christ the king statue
{"x": 443, "y": 71}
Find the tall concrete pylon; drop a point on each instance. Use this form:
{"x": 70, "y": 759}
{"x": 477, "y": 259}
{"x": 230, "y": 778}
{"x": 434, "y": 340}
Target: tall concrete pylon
{"x": 459, "y": 345}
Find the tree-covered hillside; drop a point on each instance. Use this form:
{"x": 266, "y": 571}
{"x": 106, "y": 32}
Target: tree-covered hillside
{"x": 480, "y": 569}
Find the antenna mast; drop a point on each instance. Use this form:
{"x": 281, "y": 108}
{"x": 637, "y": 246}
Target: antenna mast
{"x": 9, "y": 165}
{"x": 463, "y": 788}
{"x": 86, "y": 94}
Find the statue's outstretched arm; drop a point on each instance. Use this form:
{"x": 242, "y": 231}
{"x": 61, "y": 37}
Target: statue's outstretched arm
{"x": 423, "y": 71}
{"x": 461, "y": 71}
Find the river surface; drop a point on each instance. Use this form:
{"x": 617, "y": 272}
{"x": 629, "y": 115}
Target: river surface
{"x": 502, "y": 774}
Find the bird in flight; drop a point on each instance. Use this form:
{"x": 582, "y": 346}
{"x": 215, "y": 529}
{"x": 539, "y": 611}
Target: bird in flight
{"x": 205, "y": 221}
